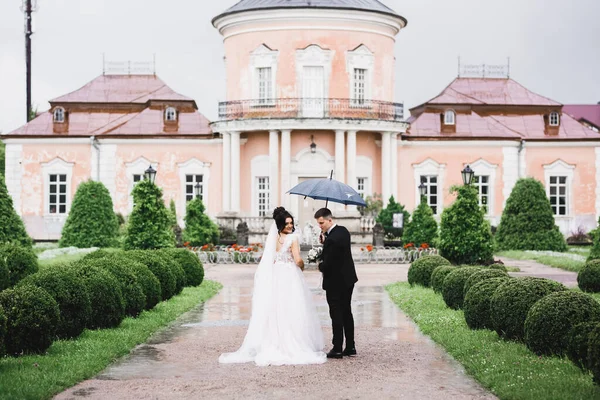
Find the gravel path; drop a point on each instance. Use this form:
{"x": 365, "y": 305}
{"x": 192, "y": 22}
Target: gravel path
{"x": 395, "y": 360}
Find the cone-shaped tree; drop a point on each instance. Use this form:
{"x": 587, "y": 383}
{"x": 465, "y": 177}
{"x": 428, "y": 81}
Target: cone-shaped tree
{"x": 465, "y": 235}
{"x": 177, "y": 231}
{"x": 149, "y": 225}
{"x": 386, "y": 217}
{"x": 199, "y": 229}
{"x": 422, "y": 228}
{"x": 527, "y": 221}
{"x": 595, "y": 252}
{"x": 12, "y": 229}
{"x": 92, "y": 221}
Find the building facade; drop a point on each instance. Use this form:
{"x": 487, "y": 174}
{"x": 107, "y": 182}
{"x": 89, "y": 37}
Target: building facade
{"x": 309, "y": 93}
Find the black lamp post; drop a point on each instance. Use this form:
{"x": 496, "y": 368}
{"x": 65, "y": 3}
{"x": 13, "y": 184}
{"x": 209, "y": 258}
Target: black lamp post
{"x": 150, "y": 174}
{"x": 197, "y": 188}
{"x": 467, "y": 175}
{"x": 313, "y": 145}
{"x": 422, "y": 191}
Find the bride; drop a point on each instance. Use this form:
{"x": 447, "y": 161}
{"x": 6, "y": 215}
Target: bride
{"x": 284, "y": 327}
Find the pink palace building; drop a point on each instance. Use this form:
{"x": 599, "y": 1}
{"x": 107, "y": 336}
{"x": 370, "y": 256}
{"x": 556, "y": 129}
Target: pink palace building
{"x": 309, "y": 91}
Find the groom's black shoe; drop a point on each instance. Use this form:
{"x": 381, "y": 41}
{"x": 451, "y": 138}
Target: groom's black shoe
{"x": 350, "y": 351}
{"x": 335, "y": 354}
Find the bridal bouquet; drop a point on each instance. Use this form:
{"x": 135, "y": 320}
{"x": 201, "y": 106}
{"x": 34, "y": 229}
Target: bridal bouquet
{"x": 314, "y": 255}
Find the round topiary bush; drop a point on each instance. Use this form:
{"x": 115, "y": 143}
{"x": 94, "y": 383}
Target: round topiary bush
{"x": 91, "y": 221}
{"x": 593, "y": 357}
{"x": 421, "y": 269}
{"x": 476, "y": 305}
{"x": 438, "y": 275}
{"x": 21, "y": 261}
{"x": 100, "y": 253}
{"x": 527, "y": 221}
{"x": 108, "y": 305}
{"x": 191, "y": 264}
{"x": 71, "y": 295}
{"x": 578, "y": 343}
{"x": 498, "y": 267}
{"x": 146, "y": 279}
{"x": 512, "y": 301}
{"x": 454, "y": 284}
{"x": 133, "y": 295}
{"x": 32, "y": 317}
{"x": 482, "y": 275}
{"x": 159, "y": 268}
{"x": 2, "y": 331}
{"x": 180, "y": 279}
{"x": 550, "y": 319}
{"x": 588, "y": 278}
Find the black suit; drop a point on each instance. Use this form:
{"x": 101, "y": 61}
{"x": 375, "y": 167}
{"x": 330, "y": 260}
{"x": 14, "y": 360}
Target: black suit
{"x": 339, "y": 277}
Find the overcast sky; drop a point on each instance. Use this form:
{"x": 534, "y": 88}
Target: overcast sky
{"x": 554, "y": 46}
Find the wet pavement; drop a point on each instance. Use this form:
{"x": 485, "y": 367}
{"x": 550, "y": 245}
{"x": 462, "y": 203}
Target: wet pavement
{"x": 394, "y": 359}
{"x": 534, "y": 268}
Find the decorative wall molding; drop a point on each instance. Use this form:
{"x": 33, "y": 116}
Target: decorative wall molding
{"x": 430, "y": 167}
{"x": 193, "y": 166}
{"x": 313, "y": 56}
{"x": 263, "y": 57}
{"x": 56, "y": 166}
{"x": 561, "y": 168}
{"x": 482, "y": 167}
{"x": 362, "y": 58}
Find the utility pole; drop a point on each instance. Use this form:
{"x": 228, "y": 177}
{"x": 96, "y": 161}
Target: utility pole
{"x": 28, "y": 7}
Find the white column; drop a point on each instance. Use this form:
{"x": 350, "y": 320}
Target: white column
{"x": 351, "y": 159}
{"x": 286, "y": 158}
{"x": 226, "y": 171}
{"x": 273, "y": 169}
{"x": 386, "y": 174}
{"x": 340, "y": 157}
{"x": 235, "y": 172}
{"x": 394, "y": 165}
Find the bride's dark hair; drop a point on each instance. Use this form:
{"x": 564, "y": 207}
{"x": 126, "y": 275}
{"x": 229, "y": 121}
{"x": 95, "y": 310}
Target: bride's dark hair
{"x": 280, "y": 214}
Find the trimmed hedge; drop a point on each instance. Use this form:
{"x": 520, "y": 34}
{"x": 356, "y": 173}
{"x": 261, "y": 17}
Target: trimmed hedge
{"x": 71, "y": 295}
{"x": 32, "y": 319}
{"x": 176, "y": 269}
{"x": 511, "y": 303}
{"x": 2, "y": 331}
{"x": 477, "y": 301}
{"x": 594, "y": 353}
{"x": 100, "y": 253}
{"x": 108, "y": 305}
{"x": 454, "y": 284}
{"x": 482, "y": 275}
{"x": 498, "y": 267}
{"x": 578, "y": 343}
{"x": 421, "y": 269}
{"x": 4, "y": 275}
{"x": 550, "y": 319}
{"x": 438, "y": 275}
{"x": 20, "y": 261}
{"x": 133, "y": 295}
{"x": 168, "y": 282}
{"x": 588, "y": 278}
{"x": 191, "y": 264}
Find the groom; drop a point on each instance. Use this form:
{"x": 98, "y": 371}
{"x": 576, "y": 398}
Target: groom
{"x": 339, "y": 277}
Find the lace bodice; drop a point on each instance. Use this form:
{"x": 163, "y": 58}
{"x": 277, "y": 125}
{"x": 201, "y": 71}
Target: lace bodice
{"x": 284, "y": 255}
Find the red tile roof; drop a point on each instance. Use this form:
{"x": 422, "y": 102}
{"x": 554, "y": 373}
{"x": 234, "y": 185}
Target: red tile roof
{"x": 587, "y": 112}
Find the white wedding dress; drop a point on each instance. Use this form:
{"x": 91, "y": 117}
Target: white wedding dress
{"x": 284, "y": 328}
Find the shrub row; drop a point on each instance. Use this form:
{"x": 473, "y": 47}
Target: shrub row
{"x": 96, "y": 292}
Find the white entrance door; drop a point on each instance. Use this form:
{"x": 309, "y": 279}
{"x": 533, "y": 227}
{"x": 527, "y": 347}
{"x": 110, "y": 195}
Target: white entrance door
{"x": 313, "y": 92}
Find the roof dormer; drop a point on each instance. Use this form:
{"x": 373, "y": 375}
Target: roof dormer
{"x": 552, "y": 123}
{"x": 448, "y": 121}
{"x": 60, "y": 120}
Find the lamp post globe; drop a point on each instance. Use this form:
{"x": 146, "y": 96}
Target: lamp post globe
{"x": 313, "y": 145}
{"x": 150, "y": 174}
{"x": 197, "y": 188}
{"x": 467, "y": 175}
{"x": 422, "y": 191}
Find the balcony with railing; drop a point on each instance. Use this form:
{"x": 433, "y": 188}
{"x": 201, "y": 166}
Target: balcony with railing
{"x": 300, "y": 108}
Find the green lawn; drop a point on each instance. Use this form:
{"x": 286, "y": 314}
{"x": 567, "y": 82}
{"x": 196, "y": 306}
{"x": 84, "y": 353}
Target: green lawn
{"x": 507, "y": 369}
{"x": 552, "y": 261}
{"x": 68, "y": 362}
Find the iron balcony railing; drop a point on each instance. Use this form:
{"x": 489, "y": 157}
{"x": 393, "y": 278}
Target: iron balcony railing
{"x": 311, "y": 108}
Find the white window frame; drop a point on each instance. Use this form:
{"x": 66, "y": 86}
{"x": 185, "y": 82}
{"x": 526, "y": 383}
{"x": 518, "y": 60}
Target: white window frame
{"x": 57, "y": 166}
{"x": 364, "y": 165}
{"x": 266, "y": 192}
{"x": 264, "y": 80}
{"x": 554, "y": 119}
{"x": 430, "y": 167}
{"x": 193, "y": 166}
{"x": 193, "y": 184}
{"x": 170, "y": 114}
{"x": 263, "y": 57}
{"x": 136, "y": 167}
{"x": 59, "y": 115}
{"x": 360, "y": 58}
{"x": 361, "y": 181}
{"x": 313, "y": 56}
{"x": 428, "y": 194}
{"x": 359, "y": 87}
{"x": 449, "y": 117}
{"x": 561, "y": 168}
{"x": 259, "y": 167}
{"x": 482, "y": 167}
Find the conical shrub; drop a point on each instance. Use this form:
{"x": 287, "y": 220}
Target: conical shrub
{"x": 12, "y": 229}
{"x": 422, "y": 228}
{"x": 386, "y": 217}
{"x": 199, "y": 228}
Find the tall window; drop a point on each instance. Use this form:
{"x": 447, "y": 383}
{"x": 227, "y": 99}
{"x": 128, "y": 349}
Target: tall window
{"x": 554, "y": 119}
{"x": 190, "y": 183}
{"x": 265, "y": 85}
{"x": 359, "y": 86}
{"x": 263, "y": 195}
{"x": 558, "y": 195}
{"x": 361, "y": 186}
{"x": 57, "y": 196}
{"x": 431, "y": 185}
{"x": 483, "y": 187}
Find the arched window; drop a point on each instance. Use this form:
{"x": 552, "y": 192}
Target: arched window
{"x": 170, "y": 114}
{"x": 59, "y": 114}
{"x": 449, "y": 117}
{"x": 554, "y": 118}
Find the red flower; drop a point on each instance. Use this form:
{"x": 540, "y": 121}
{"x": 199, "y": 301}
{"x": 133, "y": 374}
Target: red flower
{"x": 369, "y": 247}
